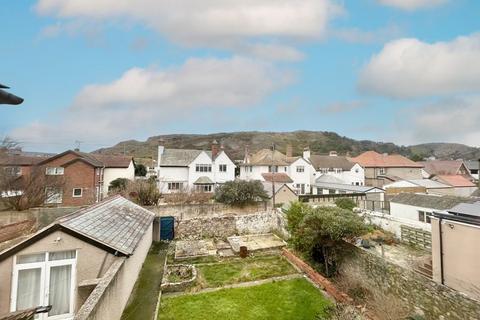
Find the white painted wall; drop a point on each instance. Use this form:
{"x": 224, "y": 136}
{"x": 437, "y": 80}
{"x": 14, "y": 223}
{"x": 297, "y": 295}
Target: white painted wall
{"x": 110, "y": 174}
{"x": 392, "y": 223}
{"x": 354, "y": 176}
{"x": 410, "y": 213}
{"x": 304, "y": 178}
{"x": 188, "y": 175}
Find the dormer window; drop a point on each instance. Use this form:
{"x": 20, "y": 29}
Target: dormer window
{"x": 54, "y": 171}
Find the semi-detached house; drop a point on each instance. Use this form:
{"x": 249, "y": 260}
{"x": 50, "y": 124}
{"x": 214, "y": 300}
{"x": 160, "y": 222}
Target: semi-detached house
{"x": 180, "y": 170}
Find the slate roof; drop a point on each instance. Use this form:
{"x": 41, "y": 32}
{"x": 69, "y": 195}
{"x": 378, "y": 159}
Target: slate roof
{"x": 330, "y": 162}
{"x": 116, "y": 225}
{"x": 472, "y": 164}
{"x": 429, "y": 201}
{"x": 374, "y": 159}
{"x": 179, "y": 157}
{"x": 468, "y": 209}
{"x": 264, "y": 157}
{"x": 277, "y": 177}
{"x": 455, "y": 181}
{"x": 442, "y": 167}
{"x": 203, "y": 180}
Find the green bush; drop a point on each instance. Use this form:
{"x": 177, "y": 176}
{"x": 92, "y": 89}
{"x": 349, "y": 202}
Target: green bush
{"x": 118, "y": 185}
{"x": 140, "y": 170}
{"x": 345, "y": 203}
{"x": 240, "y": 193}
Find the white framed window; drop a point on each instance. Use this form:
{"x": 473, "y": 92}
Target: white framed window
{"x": 77, "y": 192}
{"x": 323, "y": 170}
{"x": 54, "y": 171}
{"x": 382, "y": 171}
{"x": 13, "y": 171}
{"x": 175, "y": 185}
{"x": 222, "y": 168}
{"x": 337, "y": 170}
{"x": 203, "y": 168}
{"x": 424, "y": 216}
{"x": 46, "y": 278}
{"x": 300, "y": 169}
{"x": 53, "y": 195}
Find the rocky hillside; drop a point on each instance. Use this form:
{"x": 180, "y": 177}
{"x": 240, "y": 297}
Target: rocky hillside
{"x": 318, "y": 141}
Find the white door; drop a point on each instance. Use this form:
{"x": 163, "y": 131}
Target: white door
{"x": 45, "y": 279}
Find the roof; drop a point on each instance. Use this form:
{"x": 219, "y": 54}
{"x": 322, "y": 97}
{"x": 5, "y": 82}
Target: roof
{"x": 277, "y": 177}
{"x": 178, "y": 157}
{"x": 267, "y": 186}
{"x": 442, "y": 167}
{"x": 20, "y": 160}
{"x": 113, "y": 161}
{"x": 472, "y": 164}
{"x": 348, "y": 187}
{"x": 468, "y": 209}
{"x": 376, "y": 160}
{"x": 267, "y": 157}
{"x": 429, "y": 201}
{"x": 326, "y": 178}
{"x": 456, "y": 181}
{"x": 330, "y": 162}
{"x": 115, "y": 225}
{"x": 203, "y": 180}
{"x": 427, "y": 183}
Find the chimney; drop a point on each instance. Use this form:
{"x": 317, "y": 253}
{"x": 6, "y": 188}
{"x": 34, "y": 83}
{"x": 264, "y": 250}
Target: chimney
{"x": 306, "y": 153}
{"x": 246, "y": 157}
{"x": 76, "y": 149}
{"x": 160, "y": 153}
{"x": 289, "y": 150}
{"x": 215, "y": 149}
{"x": 333, "y": 154}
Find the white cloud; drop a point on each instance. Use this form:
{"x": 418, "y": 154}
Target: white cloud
{"x": 412, "y": 4}
{"x": 149, "y": 99}
{"x": 408, "y": 68}
{"x": 449, "y": 120}
{"x": 211, "y": 23}
{"x": 343, "y": 106}
{"x": 356, "y": 35}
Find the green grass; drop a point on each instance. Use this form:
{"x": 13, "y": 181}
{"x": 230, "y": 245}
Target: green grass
{"x": 292, "y": 299}
{"x": 242, "y": 270}
{"x": 143, "y": 299}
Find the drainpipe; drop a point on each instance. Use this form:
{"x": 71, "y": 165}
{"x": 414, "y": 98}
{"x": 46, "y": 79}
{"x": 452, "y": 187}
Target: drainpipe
{"x": 442, "y": 277}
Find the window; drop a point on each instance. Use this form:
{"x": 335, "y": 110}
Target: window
{"x": 324, "y": 170}
{"x": 44, "y": 279}
{"x": 54, "y": 171}
{"x": 285, "y": 169}
{"x": 272, "y": 168}
{"x": 175, "y": 185}
{"x": 53, "y": 195}
{"x": 77, "y": 192}
{"x": 382, "y": 171}
{"x": 222, "y": 168}
{"x": 337, "y": 170}
{"x": 203, "y": 188}
{"x": 13, "y": 171}
{"x": 300, "y": 169}
{"x": 203, "y": 168}
{"x": 424, "y": 216}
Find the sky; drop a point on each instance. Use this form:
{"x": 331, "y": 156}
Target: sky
{"x": 104, "y": 71}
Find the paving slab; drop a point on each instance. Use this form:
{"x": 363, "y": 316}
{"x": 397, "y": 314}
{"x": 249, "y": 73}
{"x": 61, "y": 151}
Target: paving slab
{"x": 194, "y": 248}
{"x": 256, "y": 242}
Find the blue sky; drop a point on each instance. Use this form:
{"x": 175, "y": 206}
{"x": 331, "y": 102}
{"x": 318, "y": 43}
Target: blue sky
{"x": 406, "y": 71}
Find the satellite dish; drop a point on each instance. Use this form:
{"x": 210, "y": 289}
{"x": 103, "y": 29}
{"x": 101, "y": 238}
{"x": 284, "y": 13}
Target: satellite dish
{"x": 8, "y": 98}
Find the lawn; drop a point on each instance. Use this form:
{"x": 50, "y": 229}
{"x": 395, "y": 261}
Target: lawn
{"x": 143, "y": 300}
{"x": 236, "y": 270}
{"x": 282, "y": 300}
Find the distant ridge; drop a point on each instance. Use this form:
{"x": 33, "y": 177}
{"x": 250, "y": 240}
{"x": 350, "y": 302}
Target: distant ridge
{"x": 320, "y": 142}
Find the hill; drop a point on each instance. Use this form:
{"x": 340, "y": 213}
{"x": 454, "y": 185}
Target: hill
{"x": 320, "y": 142}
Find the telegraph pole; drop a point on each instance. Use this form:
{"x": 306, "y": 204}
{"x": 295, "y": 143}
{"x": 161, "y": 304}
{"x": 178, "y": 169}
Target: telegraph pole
{"x": 273, "y": 176}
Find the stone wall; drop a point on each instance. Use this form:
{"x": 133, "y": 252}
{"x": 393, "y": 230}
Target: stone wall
{"x": 229, "y": 225}
{"x": 42, "y": 216}
{"x": 193, "y": 211}
{"x": 17, "y": 229}
{"x": 434, "y": 300}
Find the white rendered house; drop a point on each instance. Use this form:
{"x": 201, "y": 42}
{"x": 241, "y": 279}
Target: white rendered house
{"x": 193, "y": 170}
{"x": 337, "y": 166}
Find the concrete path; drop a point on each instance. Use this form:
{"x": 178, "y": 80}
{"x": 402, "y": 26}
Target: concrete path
{"x": 236, "y": 285}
